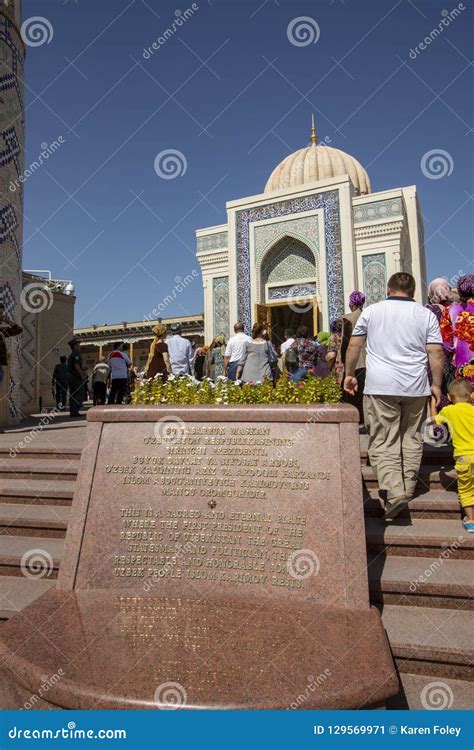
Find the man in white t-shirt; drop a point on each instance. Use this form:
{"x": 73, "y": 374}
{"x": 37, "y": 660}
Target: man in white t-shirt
{"x": 402, "y": 338}
{"x": 234, "y": 351}
{"x": 119, "y": 362}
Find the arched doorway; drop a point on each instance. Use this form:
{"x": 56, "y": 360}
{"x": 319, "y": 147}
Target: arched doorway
{"x": 288, "y": 287}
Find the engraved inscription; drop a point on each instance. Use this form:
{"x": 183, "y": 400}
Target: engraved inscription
{"x": 208, "y": 519}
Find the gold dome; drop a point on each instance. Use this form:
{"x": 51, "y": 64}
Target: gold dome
{"x": 314, "y": 163}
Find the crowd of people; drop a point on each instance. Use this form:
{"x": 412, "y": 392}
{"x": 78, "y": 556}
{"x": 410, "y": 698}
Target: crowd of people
{"x": 388, "y": 358}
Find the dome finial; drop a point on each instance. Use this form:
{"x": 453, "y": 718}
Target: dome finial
{"x": 314, "y": 137}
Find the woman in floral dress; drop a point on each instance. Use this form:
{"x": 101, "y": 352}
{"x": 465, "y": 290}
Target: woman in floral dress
{"x": 457, "y": 329}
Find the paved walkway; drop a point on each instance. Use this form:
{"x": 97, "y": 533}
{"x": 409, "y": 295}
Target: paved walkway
{"x": 42, "y": 432}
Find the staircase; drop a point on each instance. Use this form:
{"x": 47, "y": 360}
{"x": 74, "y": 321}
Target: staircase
{"x": 420, "y": 565}
{"x": 421, "y": 576}
{"x": 36, "y": 490}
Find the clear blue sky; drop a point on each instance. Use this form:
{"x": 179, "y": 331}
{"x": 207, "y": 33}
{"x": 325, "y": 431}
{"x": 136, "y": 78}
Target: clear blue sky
{"x": 230, "y": 92}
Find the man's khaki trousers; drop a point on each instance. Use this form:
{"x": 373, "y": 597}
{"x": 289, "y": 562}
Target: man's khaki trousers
{"x": 395, "y": 444}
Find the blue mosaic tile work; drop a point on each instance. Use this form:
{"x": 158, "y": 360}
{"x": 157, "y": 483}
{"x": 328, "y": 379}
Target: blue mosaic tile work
{"x": 220, "y": 303}
{"x": 377, "y": 210}
{"x": 329, "y": 202}
{"x": 374, "y": 273}
{"x": 286, "y": 292}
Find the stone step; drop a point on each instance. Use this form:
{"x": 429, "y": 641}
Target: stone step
{"x": 433, "y": 504}
{"x": 430, "y": 641}
{"x": 16, "y": 592}
{"x": 37, "y": 491}
{"x": 50, "y": 453}
{"x": 34, "y": 520}
{"x": 421, "y": 581}
{"x": 442, "y": 456}
{"x": 22, "y": 468}
{"x": 423, "y": 537}
{"x": 421, "y": 692}
{"x": 431, "y": 477}
{"x": 30, "y": 556}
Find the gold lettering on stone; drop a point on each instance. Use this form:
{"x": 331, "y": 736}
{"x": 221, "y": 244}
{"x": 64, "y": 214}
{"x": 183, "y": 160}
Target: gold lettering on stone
{"x": 179, "y": 537}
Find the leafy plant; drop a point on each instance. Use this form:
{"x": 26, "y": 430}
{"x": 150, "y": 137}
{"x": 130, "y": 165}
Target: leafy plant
{"x": 188, "y": 390}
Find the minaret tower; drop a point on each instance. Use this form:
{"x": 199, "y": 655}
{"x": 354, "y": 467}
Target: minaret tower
{"x": 12, "y": 146}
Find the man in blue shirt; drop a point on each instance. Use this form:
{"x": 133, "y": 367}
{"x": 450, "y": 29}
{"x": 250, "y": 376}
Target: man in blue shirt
{"x": 180, "y": 352}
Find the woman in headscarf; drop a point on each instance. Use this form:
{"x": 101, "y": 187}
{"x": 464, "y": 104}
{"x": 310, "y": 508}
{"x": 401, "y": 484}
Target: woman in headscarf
{"x": 457, "y": 329}
{"x": 158, "y": 358}
{"x": 439, "y": 296}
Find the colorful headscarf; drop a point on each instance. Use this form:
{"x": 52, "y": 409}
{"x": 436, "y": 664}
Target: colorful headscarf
{"x": 356, "y": 299}
{"x": 323, "y": 337}
{"x": 439, "y": 292}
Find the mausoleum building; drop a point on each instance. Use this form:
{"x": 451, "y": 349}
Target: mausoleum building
{"x": 293, "y": 253}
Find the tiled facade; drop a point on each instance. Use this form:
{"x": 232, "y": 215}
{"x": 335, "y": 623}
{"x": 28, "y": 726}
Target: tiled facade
{"x": 11, "y": 193}
{"x": 220, "y": 292}
{"x": 377, "y": 210}
{"x": 374, "y": 270}
{"x": 327, "y": 201}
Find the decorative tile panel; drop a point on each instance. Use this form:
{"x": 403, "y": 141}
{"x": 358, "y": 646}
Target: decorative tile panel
{"x": 288, "y": 292}
{"x": 374, "y": 272}
{"x": 288, "y": 260}
{"x": 212, "y": 241}
{"x": 220, "y": 305}
{"x": 376, "y": 210}
{"x": 329, "y": 202}
{"x": 305, "y": 229}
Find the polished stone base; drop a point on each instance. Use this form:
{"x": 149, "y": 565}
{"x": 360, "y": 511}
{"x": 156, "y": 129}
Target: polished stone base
{"x": 115, "y": 651}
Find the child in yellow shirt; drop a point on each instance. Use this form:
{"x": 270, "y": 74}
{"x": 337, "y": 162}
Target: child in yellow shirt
{"x": 459, "y": 418}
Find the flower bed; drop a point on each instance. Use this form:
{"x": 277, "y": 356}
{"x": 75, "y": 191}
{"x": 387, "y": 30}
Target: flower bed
{"x": 187, "y": 390}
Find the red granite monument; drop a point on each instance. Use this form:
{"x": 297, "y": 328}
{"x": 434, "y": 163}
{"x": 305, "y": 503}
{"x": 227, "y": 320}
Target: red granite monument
{"x": 215, "y": 558}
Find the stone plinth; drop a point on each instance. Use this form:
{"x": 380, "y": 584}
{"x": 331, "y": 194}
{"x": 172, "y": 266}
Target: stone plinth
{"x": 220, "y": 550}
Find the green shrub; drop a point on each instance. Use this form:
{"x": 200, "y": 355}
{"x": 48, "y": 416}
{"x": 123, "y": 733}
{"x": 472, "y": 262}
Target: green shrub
{"x": 187, "y": 390}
